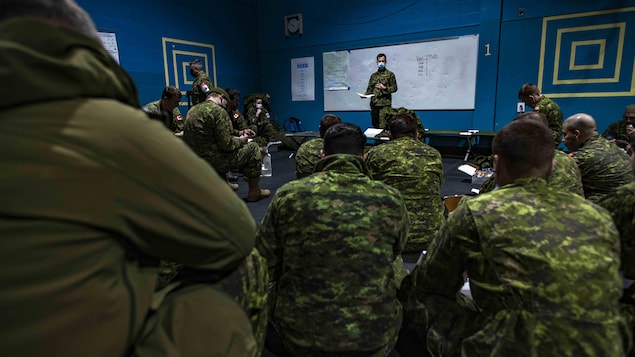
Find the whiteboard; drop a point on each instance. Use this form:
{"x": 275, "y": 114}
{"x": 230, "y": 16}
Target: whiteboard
{"x": 109, "y": 39}
{"x": 431, "y": 75}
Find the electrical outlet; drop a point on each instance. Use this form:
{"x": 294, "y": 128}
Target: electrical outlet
{"x": 520, "y": 107}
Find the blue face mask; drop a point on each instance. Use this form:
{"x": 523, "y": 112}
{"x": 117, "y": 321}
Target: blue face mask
{"x": 381, "y": 64}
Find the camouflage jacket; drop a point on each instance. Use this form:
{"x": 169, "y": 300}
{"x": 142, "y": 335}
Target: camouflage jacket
{"x": 553, "y": 114}
{"x": 208, "y": 130}
{"x": 200, "y": 88}
{"x": 603, "y": 166}
{"x": 621, "y": 205}
{"x": 238, "y": 122}
{"x": 617, "y": 130}
{"x": 565, "y": 177}
{"x": 307, "y": 156}
{"x": 177, "y": 119}
{"x": 382, "y": 97}
{"x": 416, "y": 170}
{"x": 261, "y": 125}
{"x": 543, "y": 269}
{"x": 330, "y": 241}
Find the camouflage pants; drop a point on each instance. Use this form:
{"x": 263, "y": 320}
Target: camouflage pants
{"x": 247, "y": 285}
{"x": 246, "y": 159}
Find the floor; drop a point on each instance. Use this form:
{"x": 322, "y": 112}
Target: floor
{"x": 283, "y": 164}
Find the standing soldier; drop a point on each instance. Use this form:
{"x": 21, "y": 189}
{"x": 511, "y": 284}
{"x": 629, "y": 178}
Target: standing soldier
{"x": 202, "y": 84}
{"x": 530, "y": 95}
{"x": 381, "y": 84}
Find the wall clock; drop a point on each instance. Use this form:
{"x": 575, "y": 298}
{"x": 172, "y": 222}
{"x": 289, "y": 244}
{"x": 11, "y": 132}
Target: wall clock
{"x": 293, "y": 24}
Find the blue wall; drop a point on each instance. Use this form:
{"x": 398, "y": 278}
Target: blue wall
{"x": 252, "y": 52}
{"x": 514, "y": 42}
{"x": 140, "y": 25}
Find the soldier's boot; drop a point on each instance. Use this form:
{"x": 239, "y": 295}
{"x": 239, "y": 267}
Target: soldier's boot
{"x": 255, "y": 192}
{"x": 234, "y": 186}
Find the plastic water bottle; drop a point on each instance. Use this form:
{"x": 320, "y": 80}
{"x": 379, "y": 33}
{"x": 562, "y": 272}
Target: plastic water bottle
{"x": 267, "y": 170}
{"x": 266, "y": 165}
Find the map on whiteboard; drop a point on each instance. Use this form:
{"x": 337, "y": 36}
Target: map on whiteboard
{"x": 109, "y": 39}
{"x": 335, "y": 70}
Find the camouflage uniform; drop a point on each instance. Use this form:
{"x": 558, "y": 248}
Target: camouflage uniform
{"x": 260, "y": 125}
{"x": 416, "y": 170}
{"x": 544, "y": 274}
{"x": 307, "y": 156}
{"x": 565, "y": 177}
{"x": 201, "y": 87}
{"x": 247, "y": 285}
{"x": 388, "y": 112}
{"x": 238, "y": 122}
{"x": 208, "y": 132}
{"x": 177, "y": 119}
{"x": 344, "y": 231}
{"x": 603, "y": 166}
{"x": 93, "y": 195}
{"x": 617, "y": 130}
{"x": 621, "y": 205}
{"x": 382, "y": 97}
{"x": 553, "y": 114}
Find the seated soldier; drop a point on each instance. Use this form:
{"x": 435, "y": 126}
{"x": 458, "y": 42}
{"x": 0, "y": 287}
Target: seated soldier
{"x": 603, "y": 166}
{"x": 332, "y": 242}
{"x": 565, "y": 176}
{"x": 94, "y": 194}
{"x": 415, "y": 169}
{"x": 619, "y": 132}
{"x": 208, "y": 132}
{"x": 258, "y": 119}
{"x": 168, "y": 104}
{"x": 310, "y": 152}
{"x": 387, "y": 112}
{"x": 542, "y": 281}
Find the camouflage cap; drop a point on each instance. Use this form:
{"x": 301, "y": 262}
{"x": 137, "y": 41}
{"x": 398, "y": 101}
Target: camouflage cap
{"x": 220, "y": 91}
{"x": 630, "y": 108}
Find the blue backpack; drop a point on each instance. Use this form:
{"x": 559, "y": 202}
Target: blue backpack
{"x": 292, "y": 125}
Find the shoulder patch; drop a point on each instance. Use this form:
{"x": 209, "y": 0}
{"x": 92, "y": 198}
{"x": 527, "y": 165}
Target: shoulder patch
{"x": 204, "y": 87}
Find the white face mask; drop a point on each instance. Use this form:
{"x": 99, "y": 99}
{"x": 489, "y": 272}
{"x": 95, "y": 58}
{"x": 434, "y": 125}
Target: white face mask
{"x": 258, "y": 106}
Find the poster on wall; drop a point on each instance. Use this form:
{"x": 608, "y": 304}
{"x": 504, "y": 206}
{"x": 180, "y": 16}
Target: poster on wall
{"x": 109, "y": 39}
{"x": 302, "y": 79}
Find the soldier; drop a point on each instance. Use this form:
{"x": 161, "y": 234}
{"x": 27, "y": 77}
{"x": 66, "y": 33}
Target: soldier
{"x": 619, "y": 132}
{"x": 530, "y": 94}
{"x": 310, "y": 152}
{"x": 566, "y": 174}
{"x": 208, "y": 132}
{"x": 603, "y": 166}
{"x": 169, "y": 104}
{"x": 94, "y": 194}
{"x": 543, "y": 265}
{"x": 415, "y": 169}
{"x": 621, "y": 205}
{"x": 258, "y": 120}
{"x": 381, "y": 84}
{"x": 332, "y": 243}
{"x": 202, "y": 84}
{"x": 239, "y": 124}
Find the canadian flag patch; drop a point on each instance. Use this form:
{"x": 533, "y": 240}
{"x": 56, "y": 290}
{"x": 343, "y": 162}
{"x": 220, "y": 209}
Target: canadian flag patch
{"x": 179, "y": 118}
{"x": 204, "y": 87}
{"x": 236, "y": 115}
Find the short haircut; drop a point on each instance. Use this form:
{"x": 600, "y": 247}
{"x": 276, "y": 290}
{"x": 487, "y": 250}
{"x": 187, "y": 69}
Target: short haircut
{"x": 61, "y": 12}
{"x": 344, "y": 138}
{"x": 533, "y": 116}
{"x": 196, "y": 64}
{"x": 381, "y": 55}
{"x": 525, "y": 146}
{"x": 528, "y": 89}
{"x": 328, "y": 120}
{"x": 170, "y": 92}
{"x": 233, "y": 93}
{"x": 402, "y": 124}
